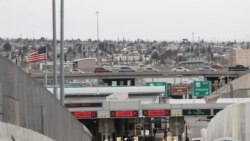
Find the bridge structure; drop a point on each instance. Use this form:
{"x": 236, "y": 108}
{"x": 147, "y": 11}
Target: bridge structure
{"x": 134, "y": 78}
{"x": 206, "y": 74}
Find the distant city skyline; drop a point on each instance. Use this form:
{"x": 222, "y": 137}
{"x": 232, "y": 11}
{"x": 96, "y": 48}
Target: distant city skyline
{"x": 212, "y": 20}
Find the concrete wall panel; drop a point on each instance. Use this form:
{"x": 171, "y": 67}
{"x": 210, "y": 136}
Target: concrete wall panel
{"x": 232, "y": 122}
{"x": 11, "y": 132}
{"x": 131, "y": 105}
{"x": 27, "y": 104}
{"x": 156, "y": 106}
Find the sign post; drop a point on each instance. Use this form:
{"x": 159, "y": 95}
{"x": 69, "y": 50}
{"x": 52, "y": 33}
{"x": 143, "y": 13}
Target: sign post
{"x": 201, "y": 88}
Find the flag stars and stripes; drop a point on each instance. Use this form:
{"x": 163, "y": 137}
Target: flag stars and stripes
{"x": 37, "y": 55}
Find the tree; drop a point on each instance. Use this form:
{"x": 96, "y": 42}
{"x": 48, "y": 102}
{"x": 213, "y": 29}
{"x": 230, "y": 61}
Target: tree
{"x": 70, "y": 50}
{"x": 7, "y": 47}
{"x": 163, "y": 61}
{"x": 42, "y": 39}
{"x": 169, "y": 53}
{"x": 155, "y": 56}
{"x": 80, "y": 49}
{"x": 49, "y": 47}
{"x": 209, "y": 50}
{"x": 74, "y": 52}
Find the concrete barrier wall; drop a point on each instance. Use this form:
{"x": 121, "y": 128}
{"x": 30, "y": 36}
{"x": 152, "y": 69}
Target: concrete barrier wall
{"x": 26, "y": 103}
{"x": 231, "y": 123}
{"x": 11, "y": 132}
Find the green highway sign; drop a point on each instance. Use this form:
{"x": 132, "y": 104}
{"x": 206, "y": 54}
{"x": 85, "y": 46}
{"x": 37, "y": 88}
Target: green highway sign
{"x": 164, "y": 94}
{"x": 201, "y": 88}
{"x": 73, "y": 85}
{"x": 196, "y": 112}
{"x": 114, "y": 83}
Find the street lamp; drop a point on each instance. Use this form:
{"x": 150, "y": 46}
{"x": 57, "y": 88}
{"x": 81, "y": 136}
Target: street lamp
{"x": 97, "y": 28}
{"x": 62, "y": 54}
{"x": 228, "y": 73}
{"x": 54, "y": 48}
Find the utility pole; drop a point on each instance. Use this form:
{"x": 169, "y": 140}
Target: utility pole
{"x": 54, "y": 48}
{"x": 191, "y": 47}
{"x": 97, "y": 27}
{"x": 199, "y": 45}
{"x": 228, "y": 72}
{"x": 62, "y": 54}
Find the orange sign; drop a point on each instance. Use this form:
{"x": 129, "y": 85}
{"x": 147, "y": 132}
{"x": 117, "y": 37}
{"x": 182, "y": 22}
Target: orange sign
{"x": 179, "y": 89}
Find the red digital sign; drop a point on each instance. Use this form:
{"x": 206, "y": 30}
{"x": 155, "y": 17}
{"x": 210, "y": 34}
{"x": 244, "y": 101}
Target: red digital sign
{"x": 156, "y": 113}
{"x": 124, "y": 113}
{"x": 85, "y": 114}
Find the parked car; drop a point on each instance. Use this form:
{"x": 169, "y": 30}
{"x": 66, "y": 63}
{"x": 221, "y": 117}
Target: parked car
{"x": 207, "y": 68}
{"x": 180, "y": 69}
{"x": 76, "y": 71}
{"x": 127, "y": 69}
{"x": 238, "y": 68}
{"x": 217, "y": 66}
{"x": 150, "y": 69}
{"x": 101, "y": 70}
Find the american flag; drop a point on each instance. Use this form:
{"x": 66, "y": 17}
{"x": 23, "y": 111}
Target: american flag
{"x": 39, "y": 54}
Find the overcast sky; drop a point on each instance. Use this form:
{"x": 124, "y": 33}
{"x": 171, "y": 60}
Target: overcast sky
{"x": 129, "y": 19}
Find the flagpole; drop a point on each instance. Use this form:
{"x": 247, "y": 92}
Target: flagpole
{"x": 46, "y": 77}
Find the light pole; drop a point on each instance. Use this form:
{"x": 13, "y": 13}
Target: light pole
{"x": 62, "y": 54}
{"x": 191, "y": 47}
{"x": 97, "y": 28}
{"x": 228, "y": 72}
{"x": 54, "y": 47}
{"x": 199, "y": 45}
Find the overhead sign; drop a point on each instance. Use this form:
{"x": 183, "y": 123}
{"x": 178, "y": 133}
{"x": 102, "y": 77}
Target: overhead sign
{"x": 179, "y": 89}
{"x": 201, "y": 88}
{"x": 103, "y": 114}
{"x": 73, "y": 105}
{"x": 164, "y": 94}
{"x": 196, "y": 112}
{"x": 73, "y": 85}
{"x": 114, "y": 83}
{"x": 124, "y": 114}
{"x": 85, "y": 114}
{"x": 156, "y": 113}
{"x": 176, "y": 112}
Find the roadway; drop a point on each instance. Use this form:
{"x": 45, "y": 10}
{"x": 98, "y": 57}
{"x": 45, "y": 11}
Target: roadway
{"x": 115, "y": 75}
